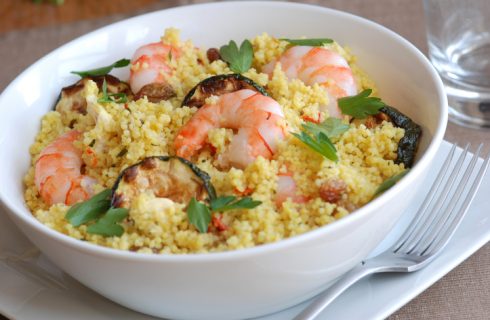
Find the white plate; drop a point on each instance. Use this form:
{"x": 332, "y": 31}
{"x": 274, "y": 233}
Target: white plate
{"x": 41, "y": 291}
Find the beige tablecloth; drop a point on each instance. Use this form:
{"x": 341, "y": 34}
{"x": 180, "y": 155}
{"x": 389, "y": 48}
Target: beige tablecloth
{"x": 462, "y": 294}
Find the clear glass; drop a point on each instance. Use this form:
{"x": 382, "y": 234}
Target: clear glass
{"x": 458, "y": 33}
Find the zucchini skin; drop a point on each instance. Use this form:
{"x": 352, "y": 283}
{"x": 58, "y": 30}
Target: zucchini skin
{"x": 206, "y": 179}
{"x": 200, "y": 173}
{"x": 213, "y": 84}
{"x": 408, "y": 144}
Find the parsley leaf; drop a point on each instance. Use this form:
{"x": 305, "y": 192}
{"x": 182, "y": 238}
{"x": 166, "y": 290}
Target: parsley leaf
{"x": 316, "y": 136}
{"x": 98, "y": 208}
{"x": 107, "y": 225}
{"x": 91, "y": 209}
{"x": 226, "y": 203}
{"x": 199, "y": 215}
{"x": 111, "y": 97}
{"x": 104, "y": 70}
{"x": 239, "y": 60}
{"x": 315, "y": 42}
{"x": 319, "y": 143}
{"x": 361, "y": 105}
{"x": 390, "y": 182}
{"x": 331, "y": 127}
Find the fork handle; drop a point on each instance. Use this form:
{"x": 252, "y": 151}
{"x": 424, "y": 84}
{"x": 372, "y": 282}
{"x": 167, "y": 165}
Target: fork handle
{"x": 327, "y": 296}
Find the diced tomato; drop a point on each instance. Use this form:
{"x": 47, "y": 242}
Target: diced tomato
{"x": 92, "y": 156}
{"x": 218, "y": 223}
{"x": 248, "y": 191}
{"x": 213, "y": 149}
{"x": 310, "y": 119}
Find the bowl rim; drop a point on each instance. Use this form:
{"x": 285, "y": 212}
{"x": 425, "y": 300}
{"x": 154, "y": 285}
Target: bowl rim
{"x": 101, "y": 251}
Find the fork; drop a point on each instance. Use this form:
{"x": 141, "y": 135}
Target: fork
{"x": 428, "y": 233}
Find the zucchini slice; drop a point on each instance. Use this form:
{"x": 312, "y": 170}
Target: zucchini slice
{"x": 71, "y": 98}
{"x": 408, "y": 144}
{"x": 218, "y": 85}
{"x": 174, "y": 178}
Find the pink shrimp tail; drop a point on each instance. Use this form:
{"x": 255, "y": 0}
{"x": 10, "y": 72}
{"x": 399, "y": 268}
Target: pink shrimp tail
{"x": 287, "y": 189}
{"x": 152, "y": 64}
{"x": 255, "y": 117}
{"x": 58, "y": 172}
{"x": 317, "y": 65}
{"x": 192, "y": 136}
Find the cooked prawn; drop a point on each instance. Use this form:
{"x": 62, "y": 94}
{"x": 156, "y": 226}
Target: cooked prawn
{"x": 286, "y": 188}
{"x": 318, "y": 65}
{"x": 150, "y": 65}
{"x": 57, "y": 172}
{"x": 257, "y": 119}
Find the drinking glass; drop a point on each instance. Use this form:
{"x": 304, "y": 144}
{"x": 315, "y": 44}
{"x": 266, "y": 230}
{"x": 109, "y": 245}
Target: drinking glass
{"x": 458, "y": 34}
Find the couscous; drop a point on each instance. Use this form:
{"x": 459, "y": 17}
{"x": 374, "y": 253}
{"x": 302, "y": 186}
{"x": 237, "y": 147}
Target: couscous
{"x": 207, "y": 150}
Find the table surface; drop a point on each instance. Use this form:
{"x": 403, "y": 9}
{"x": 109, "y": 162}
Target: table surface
{"x": 28, "y": 31}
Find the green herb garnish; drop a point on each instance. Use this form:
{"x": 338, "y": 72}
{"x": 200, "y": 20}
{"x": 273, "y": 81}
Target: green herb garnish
{"x": 122, "y": 152}
{"x": 390, "y": 182}
{"x": 98, "y": 208}
{"x": 239, "y": 60}
{"x": 226, "y": 203}
{"x": 89, "y": 210}
{"x": 316, "y": 136}
{"x": 361, "y": 105}
{"x": 104, "y": 70}
{"x": 317, "y": 42}
{"x": 199, "y": 214}
{"x": 111, "y": 97}
{"x": 331, "y": 127}
{"x": 319, "y": 143}
{"x": 108, "y": 225}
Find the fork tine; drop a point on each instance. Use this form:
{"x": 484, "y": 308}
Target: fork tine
{"x": 413, "y": 241}
{"x": 443, "y": 211}
{"x": 442, "y": 238}
{"x": 422, "y": 213}
{"x": 393, "y": 261}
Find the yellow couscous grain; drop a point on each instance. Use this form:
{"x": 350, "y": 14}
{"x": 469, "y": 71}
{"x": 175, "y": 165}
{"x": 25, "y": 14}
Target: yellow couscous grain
{"x": 117, "y": 135}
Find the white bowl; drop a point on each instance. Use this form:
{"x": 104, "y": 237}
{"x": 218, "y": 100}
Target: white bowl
{"x": 243, "y": 283}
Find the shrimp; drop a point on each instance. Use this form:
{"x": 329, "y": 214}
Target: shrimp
{"x": 256, "y": 118}
{"x": 318, "y": 65}
{"x": 57, "y": 172}
{"x": 286, "y": 188}
{"x": 150, "y": 69}
{"x": 332, "y": 190}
